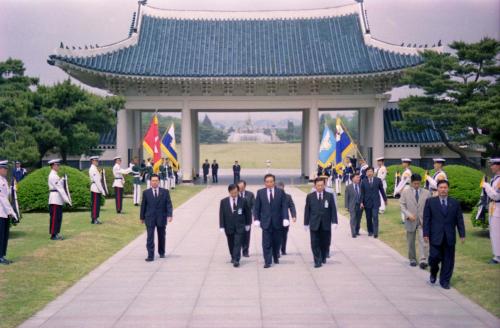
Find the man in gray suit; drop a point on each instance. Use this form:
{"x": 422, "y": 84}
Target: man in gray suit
{"x": 412, "y": 204}
{"x": 352, "y": 203}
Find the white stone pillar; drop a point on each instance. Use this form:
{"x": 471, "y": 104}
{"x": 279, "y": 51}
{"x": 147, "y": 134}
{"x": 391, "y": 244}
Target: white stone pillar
{"x": 122, "y": 135}
{"x": 313, "y": 132}
{"x": 302, "y": 148}
{"x": 196, "y": 143}
{"x": 305, "y": 142}
{"x": 137, "y": 143}
{"x": 378, "y": 128}
{"x": 186, "y": 144}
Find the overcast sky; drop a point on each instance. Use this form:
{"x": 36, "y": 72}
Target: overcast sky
{"x": 31, "y": 29}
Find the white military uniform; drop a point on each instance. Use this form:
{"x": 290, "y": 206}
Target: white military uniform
{"x": 118, "y": 173}
{"x": 381, "y": 173}
{"x": 5, "y": 206}
{"x": 57, "y": 194}
{"x": 493, "y": 191}
{"x": 95, "y": 180}
{"x": 436, "y": 177}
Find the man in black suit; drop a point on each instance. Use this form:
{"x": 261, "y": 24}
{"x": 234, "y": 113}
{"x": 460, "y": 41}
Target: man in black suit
{"x": 215, "y": 172}
{"x": 206, "y": 169}
{"x": 320, "y": 214}
{"x": 290, "y": 205}
{"x": 250, "y": 197}
{"x": 235, "y": 218}
{"x": 371, "y": 189}
{"x": 271, "y": 214}
{"x": 236, "y": 172}
{"x": 442, "y": 215}
{"x": 156, "y": 210}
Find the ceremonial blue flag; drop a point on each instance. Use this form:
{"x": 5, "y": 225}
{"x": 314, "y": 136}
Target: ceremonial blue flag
{"x": 344, "y": 145}
{"x": 168, "y": 146}
{"x": 327, "y": 148}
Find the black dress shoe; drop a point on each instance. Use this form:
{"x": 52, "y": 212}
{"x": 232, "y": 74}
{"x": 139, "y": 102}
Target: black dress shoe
{"x": 413, "y": 263}
{"x": 283, "y": 253}
{"x": 493, "y": 261}
{"x": 445, "y": 286}
{"x": 149, "y": 259}
{"x": 317, "y": 265}
{"x": 162, "y": 256}
{"x": 432, "y": 279}
{"x": 4, "y": 261}
{"x": 328, "y": 256}
{"x": 370, "y": 234}
{"x": 97, "y": 221}
{"x": 276, "y": 261}
{"x": 423, "y": 265}
{"x": 375, "y": 236}
{"x": 358, "y": 234}
{"x": 246, "y": 255}
{"x": 354, "y": 236}
{"x": 236, "y": 264}
{"x": 267, "y": 266}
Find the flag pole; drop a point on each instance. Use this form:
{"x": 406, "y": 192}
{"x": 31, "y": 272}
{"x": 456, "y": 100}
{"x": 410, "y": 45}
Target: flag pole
{"x": 350, "y": 137}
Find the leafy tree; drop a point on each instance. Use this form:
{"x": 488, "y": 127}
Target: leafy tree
{"x": 461, "y": 97}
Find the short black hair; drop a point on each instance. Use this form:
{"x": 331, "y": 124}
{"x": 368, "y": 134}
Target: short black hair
{"x": 155, "y": 176}
{"x": 232, "y": 186}
{"x": 243, "y": 181}
{"x": 355, "y": 174}
{"x": 443, "y": 181}
{"x": 318, "y": 179}
{"x": 269, "y": 175}
{"x": 416, "y": 177}
{"x": 370, "y": 168}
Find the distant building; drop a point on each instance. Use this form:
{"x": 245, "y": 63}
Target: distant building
{"x": 249, "y": 133}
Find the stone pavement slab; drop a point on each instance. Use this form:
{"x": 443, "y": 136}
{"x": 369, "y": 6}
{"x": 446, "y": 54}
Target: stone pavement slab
{"x": 365, "y": 284}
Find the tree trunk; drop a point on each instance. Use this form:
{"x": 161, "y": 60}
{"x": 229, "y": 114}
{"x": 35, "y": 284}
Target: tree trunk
{"x": 456, "y": 149}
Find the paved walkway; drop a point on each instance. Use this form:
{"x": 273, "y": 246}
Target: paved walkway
{"x": 365, "y": 284}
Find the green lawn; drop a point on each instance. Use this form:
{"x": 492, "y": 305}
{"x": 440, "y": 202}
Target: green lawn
{"x": 282, "y": 156}
{"x": 44, "y": 269}
{"x": 472, "y": 276}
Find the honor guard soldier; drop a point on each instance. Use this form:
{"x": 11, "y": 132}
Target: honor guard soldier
{"x": 236, "y": 172}
{"x": 136, "y": 173}
{"x": 7, "y": 213}
{"x": 57, "y": 197}
{"x": 171, "y": 176}
{"x": 381, "y": 173}
{"x": 206, "y": 170}
{"x": 493, "y": 191}
{"x": 215, "y": 172}
{"x": 96, "y": 190}
{"x": 405, "y": 181}
{"x": 148, "y": 172}
{"x": 362, "y": 168}
{"x": 163, "y": 173}
{"x": 118, "y": 182}
{"x": 348, "y": 173}
{"x": 19, "y": 172}
{"x": 438, "y": 175}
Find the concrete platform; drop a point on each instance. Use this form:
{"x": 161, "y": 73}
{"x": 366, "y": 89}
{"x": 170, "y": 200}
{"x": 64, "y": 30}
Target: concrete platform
{"x": 365, "y": 284}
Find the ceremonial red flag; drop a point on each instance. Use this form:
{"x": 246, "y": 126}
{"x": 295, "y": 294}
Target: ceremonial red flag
{"x": 151, "y": 143}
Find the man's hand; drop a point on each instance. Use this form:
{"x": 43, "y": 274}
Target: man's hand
{"x": 335, "y": 226}
{"x": 361, "y": 206}
{"x": 412, "y": 217}
{"x": 221, "y": 229}
{"x": 385, "y": 201}
{"x": 169, "y": 219}
{"x": 286, "y": 222}
{"x": 306, "y": 227}
{"x": 426, "y": 239}
{"x": 294, "y": 220}
{"x": 142, "y": 221}
{"x": 256, "y": 223}
{"x": 247, "y": 228}
{"x": 462, "y": 239}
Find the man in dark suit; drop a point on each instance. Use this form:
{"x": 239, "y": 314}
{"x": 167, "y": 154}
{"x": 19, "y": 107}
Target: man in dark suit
{"x": 320, "y": 214}
{"x": 236, "y": 172}
{"x": 156, "y": 210}
{"x": 250, "y": 197}
{"x": 206, "y": 170}
{"x": 442, "y": 217}
{"x": 215, "y": 172}
{"x": 353, "y": 203}
{"x": 371, "y": 189}
{"x": 235, "y": 218}
{"x": 290, "y": 205}
{"x": 271, "y": 214}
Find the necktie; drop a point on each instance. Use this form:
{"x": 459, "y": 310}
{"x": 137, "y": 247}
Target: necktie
{"x": 320, "y": 196}
{"x": 357, "y": 190}
{"x": 155, "y": 192}
{"x": 234, "y": 204}
{"x": 416, "y": 195}
{"x": 443, "y": 204}
{"x": 371, "y": 180}
{"x": 241, "y": 195}
{"x": 271, "y": 198}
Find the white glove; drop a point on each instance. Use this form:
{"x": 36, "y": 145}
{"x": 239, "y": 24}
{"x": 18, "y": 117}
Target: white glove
{"x": 247, "y": 228}
{"x": 286, "y": 222}
{"x": 306, "y": 227}
{"x": 221, "y": 229}
{"x": 335, "y": 226}
{"x": 256, "y": 223}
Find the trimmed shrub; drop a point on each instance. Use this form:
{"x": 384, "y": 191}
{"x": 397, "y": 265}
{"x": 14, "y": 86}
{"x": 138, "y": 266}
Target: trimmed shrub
{"x": 391, "y": 171}
{"x": 128, "y": 186}
{"x": 33, "y": 191}
{"x": 464, "y": 184}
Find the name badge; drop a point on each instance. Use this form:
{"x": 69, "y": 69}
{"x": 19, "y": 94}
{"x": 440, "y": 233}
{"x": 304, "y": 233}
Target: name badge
{"x": 326, "y": 204}
{"x": 240, "y": 211}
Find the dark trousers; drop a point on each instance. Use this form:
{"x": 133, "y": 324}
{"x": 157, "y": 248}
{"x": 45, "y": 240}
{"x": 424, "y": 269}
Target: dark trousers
{"x": 271, "y": 242}
{"x": 205, "y": 179}
{"x": 320, "y": 244}
{"x": 4, "y": 235}
{"x": 118, "y": 199}
{"x": 444, "y": 254}
{"x": 215, "y": 178}
{"x": 150, "y": 243}
{"x": 372, "y": 220}
{"x": 246, "y": 241}
{"x": 95, "y": 205}
{"x": 234, "y": 244}
{"x": 284, "y": 238}
{"x": 355, "y": 217}
{"x": 236, "y": 178}
{"x": 55, "y": 212}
